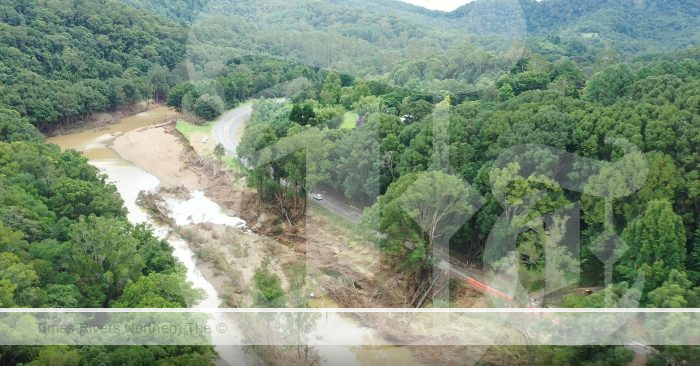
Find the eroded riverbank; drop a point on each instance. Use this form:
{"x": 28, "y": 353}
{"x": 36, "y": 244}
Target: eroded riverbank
{"x": 130, "y": 180}
{"x": 163, "y": 160}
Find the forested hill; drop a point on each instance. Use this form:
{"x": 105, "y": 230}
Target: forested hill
{"x": 64, "y": 59}
{"x": 354, "y": 36}
{"x": 65, "y": 241}
{"x": 179, "y": 10}
{"x": 376, "y": 38}
{"x": 632, "y": 26}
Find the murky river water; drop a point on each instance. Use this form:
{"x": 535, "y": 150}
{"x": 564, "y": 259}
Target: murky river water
{"x": 130, "y": 180}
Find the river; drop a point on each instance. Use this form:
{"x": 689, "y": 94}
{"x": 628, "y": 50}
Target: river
{"x": 130, "y": 180}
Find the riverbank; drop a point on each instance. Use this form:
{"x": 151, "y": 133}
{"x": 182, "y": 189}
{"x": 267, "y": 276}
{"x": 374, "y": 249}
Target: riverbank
{"x": 176, "y": 164}
{"x": 332, "y": 258}
{"x": 102, "y": 120}
{"x": 164, "y": 152}
{"x": 321, "y": 261}
{"x": 228, "y": 257}
{"x": 180, "y": 169}
{"x": 130, "y": 180}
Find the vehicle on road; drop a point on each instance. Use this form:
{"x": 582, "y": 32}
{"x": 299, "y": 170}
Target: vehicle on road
{"x": 318, "y": 197}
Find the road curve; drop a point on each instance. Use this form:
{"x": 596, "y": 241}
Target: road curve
{"x": 228, "y": 129}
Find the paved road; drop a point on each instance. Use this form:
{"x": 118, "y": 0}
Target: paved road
{"x": 228, "y": 129}
{"x": 349, "y": 212}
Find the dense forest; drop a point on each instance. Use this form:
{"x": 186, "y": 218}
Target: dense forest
{"x": 654, "y": 107}
{"x": 407, "y": 155}
{"x": 387, "y": 100}
{"x": 65, "y": 242}
{"x": 64, "y": 237}
{"x": 383, "y": 37}
{"x": 60, "y": 61}
{"x": 579, "y": 27}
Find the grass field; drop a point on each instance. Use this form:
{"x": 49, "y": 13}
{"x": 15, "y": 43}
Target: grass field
{"x": 232, "y": 164}
{"x": 187, "y": 129}
{"x": 349, "y": 120}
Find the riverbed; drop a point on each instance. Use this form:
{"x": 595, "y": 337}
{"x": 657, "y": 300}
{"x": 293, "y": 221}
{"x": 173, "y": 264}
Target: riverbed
{"x": 130, "y": 179}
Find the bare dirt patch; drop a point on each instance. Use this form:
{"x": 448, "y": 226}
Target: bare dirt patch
{"x": 338, "y": 262}
{"x": 230, "y": 258}
{"x": 160, "y": 153}
{"x": 164, "y": 152}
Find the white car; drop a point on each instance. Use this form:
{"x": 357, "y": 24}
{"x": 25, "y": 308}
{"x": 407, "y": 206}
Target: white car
{"x": 318, "y": 197}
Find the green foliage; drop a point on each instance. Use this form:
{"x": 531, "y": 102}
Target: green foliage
{"x": 657, "y": 244}
{"x": 105, "y": 256}
{"x": 582, "y": 29}
{"x": 583, "y": 355}
{"x": 676, "y": 292}
{"x": 179, "y": 10}
{"x": 57, "y": 355}
{"x": 269, "y": 290}
{"x": 439, "y": 203}
{"x": 15, "y": 128}
{"x": 396, "y": 140}
{"x": 219, "y": 152}
{"x": 398, "y": 232}
{"x": 63, "y": 60}
{"x": 158, "y": 290}
{"x": 65, "y": 242}
{"x": 671, "y": 355}
{"x": 178, "y": 93}
{"x": 523, "y": 82}
{"x": 333, "y": 117}
{"x": 608, "y": 85}
{"x": 208, "y": 106}
{"x": 303, "y": 114}
{"x": 330, "y": 94}
{"x": 73, "y": 198}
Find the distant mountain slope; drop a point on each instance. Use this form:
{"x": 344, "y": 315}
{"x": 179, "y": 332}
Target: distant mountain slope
{"x": 179, "y": 10}
{"x": 632, "y": 26}
{"x": 349, "y": 35}
{"x": 371, "y": 37}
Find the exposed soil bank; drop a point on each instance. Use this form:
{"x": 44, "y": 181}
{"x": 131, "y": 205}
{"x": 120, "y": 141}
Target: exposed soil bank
{"x": 102, "y": 120}
{"x": 338, "y": 261}
{"x": 159, "y": 153}
{"x": 129, "y": 181}
{"x": 163, "y": 152}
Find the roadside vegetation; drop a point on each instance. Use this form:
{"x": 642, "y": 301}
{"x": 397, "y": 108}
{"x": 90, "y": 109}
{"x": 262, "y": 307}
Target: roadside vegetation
{"x": 389, "y": 161}
{"x": 387, "y": 102}
{"x": 188, "y": 129}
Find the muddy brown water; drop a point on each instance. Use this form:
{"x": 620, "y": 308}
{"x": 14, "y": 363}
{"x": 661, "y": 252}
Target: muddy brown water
{"x": 93, "y": 142}
{"x": 130, "y": 180}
